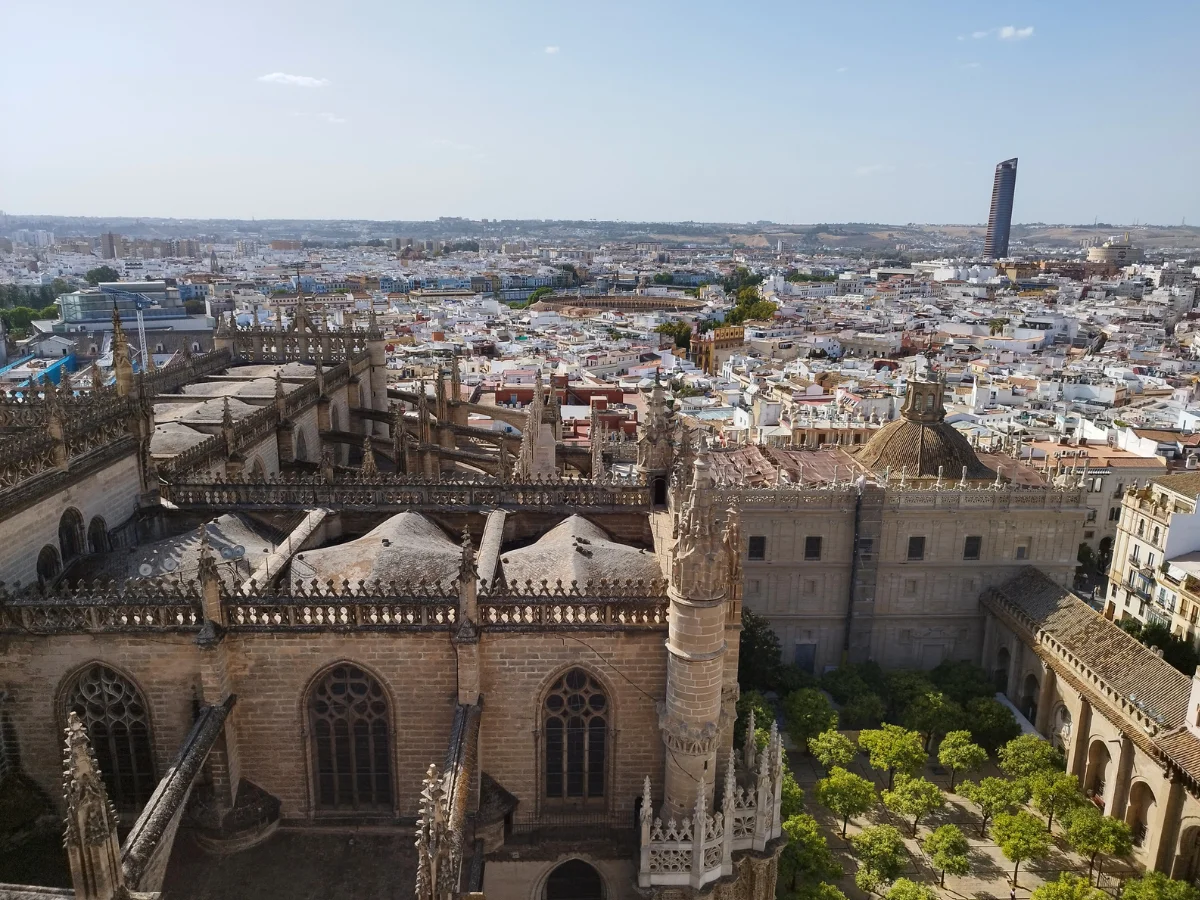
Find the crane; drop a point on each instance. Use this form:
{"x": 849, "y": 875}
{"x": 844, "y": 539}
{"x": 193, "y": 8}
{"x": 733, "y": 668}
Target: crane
{"x": 140, "y": 302}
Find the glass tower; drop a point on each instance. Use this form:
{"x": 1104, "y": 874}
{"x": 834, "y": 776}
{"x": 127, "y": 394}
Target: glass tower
{"x": 995, "y": 245}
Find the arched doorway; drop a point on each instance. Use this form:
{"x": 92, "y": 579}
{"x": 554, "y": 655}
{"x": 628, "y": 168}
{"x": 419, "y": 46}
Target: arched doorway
{"x": 351, "y": 741}
{"x": 1000, "y": 673}
{"x": 97, "y": 536}
{"x": 574, "y": 880}
{"x": 1187, "y": 862}
{"x": 1029, "y": 697}
{"x": 1140, "y": 811}
{"x": 1105, "y": 555}
{"x": 659, "y": 489}
{"x": 70, "y": 535}
{"x": 48, "y": 565}
{"x": 257, "y": 472}
{"x": 301, "y": 454}
{"x": 114, "y": 712}
{"x": 1096, "y": 777}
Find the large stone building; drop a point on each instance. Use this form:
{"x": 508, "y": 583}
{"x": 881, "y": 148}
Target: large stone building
{"x": 250, "y": 622}
{"x": 271, "y": 596}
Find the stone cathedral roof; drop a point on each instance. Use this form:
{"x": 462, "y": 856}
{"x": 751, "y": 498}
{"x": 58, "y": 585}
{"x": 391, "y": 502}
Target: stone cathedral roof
{"x": 406, "y": 547}
{"x": 920, "y": 442}
{"x": 578, "y": 550}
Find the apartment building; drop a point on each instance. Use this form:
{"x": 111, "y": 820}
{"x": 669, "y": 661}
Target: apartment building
{"x": 1155, "y": 571}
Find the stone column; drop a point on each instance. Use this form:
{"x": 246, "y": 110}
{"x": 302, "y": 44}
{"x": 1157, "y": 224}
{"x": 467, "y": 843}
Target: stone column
{"x": 1045, "y": 700}
{"x": 1120, "y": 792}
{"x": 1014, "y": 671}
{"x": 1164, "y": 830}
{"x": 1080, "y": 739}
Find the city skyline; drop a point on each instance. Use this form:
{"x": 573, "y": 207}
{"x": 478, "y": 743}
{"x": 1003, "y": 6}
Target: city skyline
{"x": 789, "y": 113}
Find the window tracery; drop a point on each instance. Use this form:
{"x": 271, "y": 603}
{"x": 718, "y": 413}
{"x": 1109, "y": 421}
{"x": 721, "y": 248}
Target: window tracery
{"x": 575, "y": 720}
{"x": 114, "y": 713}
{"x": 351, "y": 739}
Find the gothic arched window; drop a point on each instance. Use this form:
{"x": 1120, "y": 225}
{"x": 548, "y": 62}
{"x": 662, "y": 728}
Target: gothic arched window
{"x": 351, "y": 737}
{"x": 70, "y": 534}
{"x": 114, "y": 713}
{"x": 575, "y": 718}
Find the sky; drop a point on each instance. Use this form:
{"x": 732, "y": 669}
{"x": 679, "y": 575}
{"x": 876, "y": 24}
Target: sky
{"x": 789, "y": 111}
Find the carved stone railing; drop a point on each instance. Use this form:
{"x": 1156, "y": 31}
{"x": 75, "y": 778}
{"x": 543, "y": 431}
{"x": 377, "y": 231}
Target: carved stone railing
{"x": 1006, "y": 497}
{"x": 383, "y": 490}
{"x": 103, "y": 612}
{"x": 697, "y": 850}
{"x": 185, "y": 370}
{"x": 257, "y": 344}
{"x": 362, "y": 613}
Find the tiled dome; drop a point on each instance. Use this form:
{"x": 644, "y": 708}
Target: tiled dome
{"x": 920, "y": 442}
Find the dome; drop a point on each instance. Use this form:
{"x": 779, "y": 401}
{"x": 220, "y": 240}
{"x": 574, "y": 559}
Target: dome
{"x": 920, "y": 442}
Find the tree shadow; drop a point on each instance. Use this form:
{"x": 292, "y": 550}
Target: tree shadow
{"x": 984, "y": 867}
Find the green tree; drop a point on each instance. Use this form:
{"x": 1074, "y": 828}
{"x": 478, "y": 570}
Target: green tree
{"x": 1070, "y": 887}
{"x": 960, "y": 754}
{"x": 948, "y": 851}
{"x": 992, "y": 723}
{"x": 59, "y": 286}
{"x": 881, "y": 856}
{"x": 535, "y": 295}
{"x": 1054, "y": 794}
{"x": 893, "y": 749}
{"x": 831, "y": 748}
{"x": 904, "y": 889}
{"x": 915, "y": 798}
{"x": 1156, "y": 886}
{"x": 48, "y": 312}
{"x": 1020, "y": 836}
{"x": 807, "y": 713}
{"x": 933, "y": 714}
{"x": 863, "y": 711}
{"x": 791, "y": 801}
{"x": 764, "y": 715}
{"x": 664, "y": 278}
{"x": 1029, "y": 755}
{"x": 962, "y": 681}
{"x": 848, "y": 681}
{"x": 807, "y": 857}
{"x": 759, "y": 660}
{"x": 902, "y": 688}
{"x": 993, "y": 797}
{"x": 680, "y": 331}
{"x": 102, "y": 273}
{"x": 1095, "y": 835}
{"x": 845, "y": 794}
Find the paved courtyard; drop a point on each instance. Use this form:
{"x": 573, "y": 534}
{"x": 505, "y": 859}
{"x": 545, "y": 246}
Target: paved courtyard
{"x": 990, "y": 870}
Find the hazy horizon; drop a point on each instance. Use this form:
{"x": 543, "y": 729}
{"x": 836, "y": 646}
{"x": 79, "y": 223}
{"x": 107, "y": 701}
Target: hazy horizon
{"x": 650, "y": 111}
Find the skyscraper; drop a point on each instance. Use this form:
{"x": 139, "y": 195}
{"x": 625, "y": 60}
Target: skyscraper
{"x": 995, "y": 245}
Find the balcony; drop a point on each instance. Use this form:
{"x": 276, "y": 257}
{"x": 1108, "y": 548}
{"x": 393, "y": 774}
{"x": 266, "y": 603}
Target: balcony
{"x": 1139, "y": 588}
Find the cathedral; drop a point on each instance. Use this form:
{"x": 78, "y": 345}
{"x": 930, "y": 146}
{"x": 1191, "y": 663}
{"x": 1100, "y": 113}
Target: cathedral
{"x": 266, "y": 596}
{"x": 273, "y": 603}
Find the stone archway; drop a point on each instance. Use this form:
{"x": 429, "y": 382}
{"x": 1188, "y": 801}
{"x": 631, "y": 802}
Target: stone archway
{"x": 49, "y": 565}
{"x": 574, "y": 880}
{"x": 71, "y": 539}
{"x": 97, "y": 535}
{"x": 1000, "y": 673}
{"x": 1187, "y": 861}
{"x": 1029, "y": 696}
{"x": 1095, "y": 778}
{"x": 1140, "y": 812}
{"x": 1060, "y": 736}
{"x": 659, "y": 491}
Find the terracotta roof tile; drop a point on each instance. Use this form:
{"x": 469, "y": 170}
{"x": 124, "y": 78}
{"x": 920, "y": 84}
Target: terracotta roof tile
{"x": 1124, "y": 663}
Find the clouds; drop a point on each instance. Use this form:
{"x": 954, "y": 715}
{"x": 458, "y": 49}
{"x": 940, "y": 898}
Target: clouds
{"x": 304, "y": 81}
{"x": 1003, "y": 33}
{"x": 552, "y": 50}
{"x": 874, "y": 169}
{"x": 842, "y": 68}
{"x": 1010, "y": 33}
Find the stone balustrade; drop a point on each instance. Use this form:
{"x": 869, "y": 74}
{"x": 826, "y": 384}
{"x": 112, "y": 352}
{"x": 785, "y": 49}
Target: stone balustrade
{"x": 699, "y": 849}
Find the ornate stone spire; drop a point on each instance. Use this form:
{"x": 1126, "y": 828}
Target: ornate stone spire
{"x": 433, "y": 839}
{"x": 122, "y": 365}
{"x": 699, "y": 569}
{"x": 369, "y": 469}
{"x": 91, "y": 834}
{"x": 97, "y": 379}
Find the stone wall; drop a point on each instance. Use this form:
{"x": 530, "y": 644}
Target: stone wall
{"x": 37, "y": 671}
{"x": 111, "y": 493}
{"x": 517, "y": 669}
